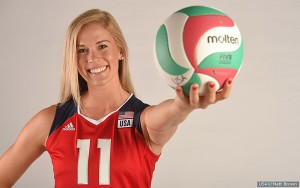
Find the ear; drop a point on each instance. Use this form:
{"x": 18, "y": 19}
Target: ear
{"x": 121, "y": 57}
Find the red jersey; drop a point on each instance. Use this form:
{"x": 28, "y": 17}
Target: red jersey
{"x": 111, "y": 152}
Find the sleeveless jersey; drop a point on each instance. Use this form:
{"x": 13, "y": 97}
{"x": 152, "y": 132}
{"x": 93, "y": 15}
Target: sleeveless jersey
{"x": 113, "y": 153}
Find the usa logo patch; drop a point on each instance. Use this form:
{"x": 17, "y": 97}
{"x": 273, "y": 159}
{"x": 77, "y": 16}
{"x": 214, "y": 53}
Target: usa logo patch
{"x": 125, "y": 119}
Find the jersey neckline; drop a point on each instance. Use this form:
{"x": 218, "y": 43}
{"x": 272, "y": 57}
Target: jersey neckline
{"x": 97, "y": 122}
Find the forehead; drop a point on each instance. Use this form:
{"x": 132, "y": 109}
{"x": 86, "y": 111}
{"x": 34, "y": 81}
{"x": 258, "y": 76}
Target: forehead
{"x": 93, "y": 32}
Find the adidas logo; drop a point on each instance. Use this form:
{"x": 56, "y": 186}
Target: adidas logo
{"x": 69, "y": 127}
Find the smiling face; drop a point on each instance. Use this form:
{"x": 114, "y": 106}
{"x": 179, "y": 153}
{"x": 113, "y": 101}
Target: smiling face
{"x": 97, "y": 55}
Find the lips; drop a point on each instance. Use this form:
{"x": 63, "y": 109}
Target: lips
{"x": 97, "y": 70}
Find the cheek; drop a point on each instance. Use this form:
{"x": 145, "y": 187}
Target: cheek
{"x": 80, "y": 59}
{"x": 80, "y": 65}
{"x": 112, "y": 57}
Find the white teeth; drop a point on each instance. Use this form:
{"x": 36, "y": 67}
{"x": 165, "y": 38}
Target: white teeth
{"x": 97, "y": 70}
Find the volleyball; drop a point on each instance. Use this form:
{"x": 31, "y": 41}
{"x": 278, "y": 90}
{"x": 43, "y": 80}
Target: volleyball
{"x": 198, "y": 44}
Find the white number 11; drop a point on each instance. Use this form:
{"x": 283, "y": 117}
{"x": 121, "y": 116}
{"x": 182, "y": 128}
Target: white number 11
{"x": 83, "y": 159}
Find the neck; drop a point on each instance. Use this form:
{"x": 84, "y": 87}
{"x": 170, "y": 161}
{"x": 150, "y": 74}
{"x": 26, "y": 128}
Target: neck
{"x": 101, "y": 100}
{"x": 106, "y": 94}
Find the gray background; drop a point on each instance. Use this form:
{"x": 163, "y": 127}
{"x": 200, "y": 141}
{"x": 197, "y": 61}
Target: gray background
{"x": 253, "y": 136}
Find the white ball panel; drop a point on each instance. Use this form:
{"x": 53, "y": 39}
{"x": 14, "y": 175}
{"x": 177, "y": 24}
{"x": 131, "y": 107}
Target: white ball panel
{"x": 175, "y": 26}
{"x": 204, "y": 80}
{"x": 173, "y": 80}
{"x": 204, "y": 48}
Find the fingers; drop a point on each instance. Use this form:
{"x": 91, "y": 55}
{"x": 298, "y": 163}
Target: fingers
{"x": 179, "y": 92}
{"x": 197, "y": 101}
{"x": 211, "y": 95}
{"x": 225, "y": 93}
{"x": 194, "y": 96}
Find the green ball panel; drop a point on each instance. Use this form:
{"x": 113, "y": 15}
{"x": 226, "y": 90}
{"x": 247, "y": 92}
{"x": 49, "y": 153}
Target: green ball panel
{"x": 194, "y": 80}
{"x": 224, "y": 59}
{"x": 200, "y": 10}
{"x": 163, "y": 54}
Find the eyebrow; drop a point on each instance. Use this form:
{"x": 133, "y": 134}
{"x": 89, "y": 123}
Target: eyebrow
{"x": 81, "y": 45}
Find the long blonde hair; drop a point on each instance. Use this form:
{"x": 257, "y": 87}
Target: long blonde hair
{"x": 72, "y": 84}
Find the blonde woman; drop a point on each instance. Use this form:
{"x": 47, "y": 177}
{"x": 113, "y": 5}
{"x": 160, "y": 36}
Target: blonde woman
{"x": 100, "y": 134}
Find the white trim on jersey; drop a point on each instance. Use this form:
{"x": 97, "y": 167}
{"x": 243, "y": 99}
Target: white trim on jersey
{"x": 97, "y": 122}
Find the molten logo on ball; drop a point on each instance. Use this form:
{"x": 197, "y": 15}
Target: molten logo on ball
{"x": 199, "y": 44}
{"x": 222, "y": 39}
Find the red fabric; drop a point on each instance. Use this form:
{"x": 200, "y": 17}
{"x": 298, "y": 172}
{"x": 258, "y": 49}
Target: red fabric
{"x": 131, "y": 161}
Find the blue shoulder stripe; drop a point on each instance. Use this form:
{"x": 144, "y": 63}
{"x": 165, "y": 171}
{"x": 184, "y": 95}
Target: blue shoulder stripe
{"x": 137, "y": 106}
{"x": 63, "y": 113}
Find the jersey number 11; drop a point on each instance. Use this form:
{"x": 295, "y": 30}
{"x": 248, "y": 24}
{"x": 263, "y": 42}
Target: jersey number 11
{"x": 83, "y": 158}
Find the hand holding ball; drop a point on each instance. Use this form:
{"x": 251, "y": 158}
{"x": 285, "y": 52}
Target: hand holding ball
{"x": 198, "y": 44}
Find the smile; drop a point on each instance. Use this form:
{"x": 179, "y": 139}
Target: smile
{"x": 97, "y": 70}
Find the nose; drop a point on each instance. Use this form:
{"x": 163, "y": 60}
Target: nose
{"x": 91, "y": 56}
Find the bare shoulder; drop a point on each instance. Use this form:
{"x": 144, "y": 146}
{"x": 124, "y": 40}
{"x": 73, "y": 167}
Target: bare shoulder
{"x": 44, "y": 120}
{"x": 46, "y": 114}
{"x": 39, "y": 126}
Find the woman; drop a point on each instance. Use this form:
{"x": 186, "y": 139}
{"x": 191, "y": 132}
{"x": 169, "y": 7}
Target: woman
{"x": 100, "y": 134}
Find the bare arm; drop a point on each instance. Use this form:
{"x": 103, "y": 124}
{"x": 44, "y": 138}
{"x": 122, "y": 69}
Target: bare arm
{"x": 161, "y": 121}
{"x": 29, "y": 145}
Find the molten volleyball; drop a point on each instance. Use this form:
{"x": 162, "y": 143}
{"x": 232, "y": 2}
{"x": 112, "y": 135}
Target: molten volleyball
{"x": 198, "y": 44}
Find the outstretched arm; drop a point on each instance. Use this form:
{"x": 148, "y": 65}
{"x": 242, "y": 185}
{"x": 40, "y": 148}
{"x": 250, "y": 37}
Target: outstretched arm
{"x": 28, "y": 146}
{"x": 161, "y": 121}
